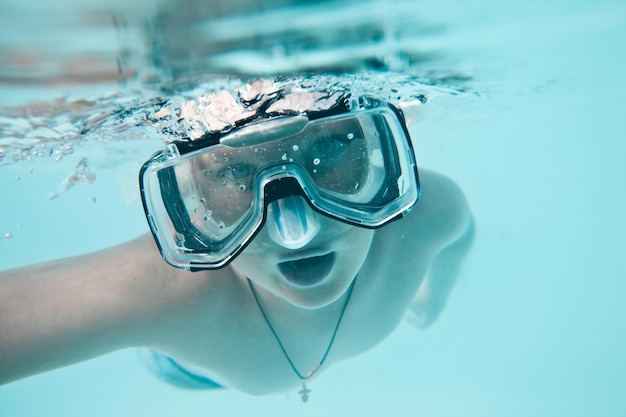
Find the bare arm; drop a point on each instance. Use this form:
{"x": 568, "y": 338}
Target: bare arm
{"x": 434, "y": 290}
{"x": 422, "y": 252}
{"x": 446, "y": 205}
{"x": 62, "y": 312}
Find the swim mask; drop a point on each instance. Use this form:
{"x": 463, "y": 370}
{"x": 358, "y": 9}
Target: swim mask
{"x": 206, "y": 199}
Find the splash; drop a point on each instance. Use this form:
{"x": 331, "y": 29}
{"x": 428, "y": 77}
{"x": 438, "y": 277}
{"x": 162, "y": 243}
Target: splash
{"x": 57, "y": 128}
{"x": 207, "y": 110}
{"x": 183, "y": 72}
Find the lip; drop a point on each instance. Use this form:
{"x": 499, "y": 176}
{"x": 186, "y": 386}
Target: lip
{"x": 296, "y": 255}
{"x": 306, "y": 269}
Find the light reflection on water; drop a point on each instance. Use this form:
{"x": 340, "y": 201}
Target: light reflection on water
{"x": 103, "y": 76}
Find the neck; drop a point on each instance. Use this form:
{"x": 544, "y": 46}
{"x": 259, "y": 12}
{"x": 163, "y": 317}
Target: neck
{"x": 304, "y": 376}
{"x": 307, "y": 335}
{"x": 278, "y": 307}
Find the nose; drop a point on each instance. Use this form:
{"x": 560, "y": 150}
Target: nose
{"x": 291, "y": 222}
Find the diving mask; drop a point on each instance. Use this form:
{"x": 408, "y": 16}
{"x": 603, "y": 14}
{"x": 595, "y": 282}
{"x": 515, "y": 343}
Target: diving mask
{"x": 206, "y": 199}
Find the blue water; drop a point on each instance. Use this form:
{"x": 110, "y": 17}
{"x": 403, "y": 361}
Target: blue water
{"x": 536, "y": 324}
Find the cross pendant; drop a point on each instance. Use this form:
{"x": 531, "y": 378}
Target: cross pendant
{"x": 304, "y": 393}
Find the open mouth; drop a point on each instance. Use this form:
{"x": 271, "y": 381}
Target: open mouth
{"x": 308, "y": 271}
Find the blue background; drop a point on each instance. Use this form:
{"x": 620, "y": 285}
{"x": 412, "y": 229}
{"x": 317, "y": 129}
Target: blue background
{"x": 536, "y": 325}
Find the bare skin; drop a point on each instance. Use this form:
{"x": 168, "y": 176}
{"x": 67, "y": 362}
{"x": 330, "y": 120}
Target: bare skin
{"x": 67, "y": 311}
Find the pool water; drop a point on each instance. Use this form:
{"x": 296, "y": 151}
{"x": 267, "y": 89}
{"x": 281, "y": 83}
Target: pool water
{"x": 525, "y": 113}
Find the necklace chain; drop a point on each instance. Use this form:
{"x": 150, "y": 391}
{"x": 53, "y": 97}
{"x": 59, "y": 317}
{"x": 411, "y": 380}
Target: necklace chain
{"x": 304, "y": 392}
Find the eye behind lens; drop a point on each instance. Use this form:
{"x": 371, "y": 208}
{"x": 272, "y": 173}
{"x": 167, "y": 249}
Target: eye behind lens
{"x": 240, "y": 171}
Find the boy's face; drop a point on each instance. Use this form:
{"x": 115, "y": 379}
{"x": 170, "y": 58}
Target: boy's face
{"x": 314, "y": 275}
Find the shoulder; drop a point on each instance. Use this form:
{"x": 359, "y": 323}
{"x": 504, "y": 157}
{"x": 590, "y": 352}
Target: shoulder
{"x": 402, "y": 254}
{"x": 440, "y": 217}
{"x": 444, "y": 202}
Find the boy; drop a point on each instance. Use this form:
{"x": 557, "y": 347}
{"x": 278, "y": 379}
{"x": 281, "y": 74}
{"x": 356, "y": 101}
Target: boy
{"x": 293, "y": 240}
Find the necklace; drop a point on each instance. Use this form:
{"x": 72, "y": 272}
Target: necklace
{"x": 304, "y": 392}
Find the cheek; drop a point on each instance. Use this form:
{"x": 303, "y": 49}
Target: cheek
{"x": 248, "y": 264}
{"x": 257, "y": 262}
{"x": 356, "y": 247}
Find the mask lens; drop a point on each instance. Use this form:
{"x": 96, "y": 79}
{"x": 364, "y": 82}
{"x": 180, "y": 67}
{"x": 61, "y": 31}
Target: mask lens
{"x": 216, "y": 189}
{"x": 347, "y": 159}
{"x": 336, "y": 156}
{"x": 204, "y": 204}
{"x": 344, "y": 158}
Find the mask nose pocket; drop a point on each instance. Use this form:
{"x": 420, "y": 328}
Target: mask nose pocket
{"x": 291, "y": 222}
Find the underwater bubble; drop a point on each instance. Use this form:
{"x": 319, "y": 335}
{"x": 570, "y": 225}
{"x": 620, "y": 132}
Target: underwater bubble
{"x": 316, "y": 161}
{"x": 350, "y": 136}
{"x": 284, "y": 157}
{"x": 8, "y": 235}
{"x": 91, "y": 199}
{"x": 295, "y": 147}
{"x": 241, "y": 188}
{"x": 80, "y": 174}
